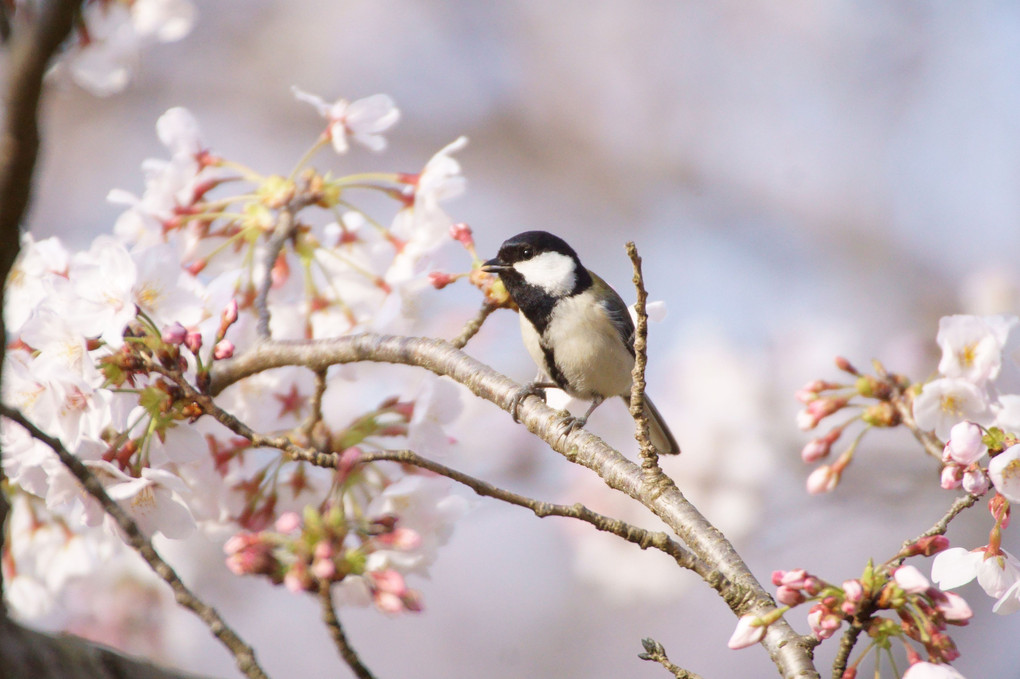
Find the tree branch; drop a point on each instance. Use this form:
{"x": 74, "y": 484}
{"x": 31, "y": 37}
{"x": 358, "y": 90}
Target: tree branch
{"x": 655, "y": 652}
{"x": 243, "y": 654}
{"x": 629, "y": 532}
{"x": 744, "y": 594}
{"x": 649, "y": 456}
{"x": 472, "y": 327}
{"x": 28, "y": 653}
{"x": 861, "y": 620}
{"x": 336, "y": 631}
{"x": 30, "y": 53}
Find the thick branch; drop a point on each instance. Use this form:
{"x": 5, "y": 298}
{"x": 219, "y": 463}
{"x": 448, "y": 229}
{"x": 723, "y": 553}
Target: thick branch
{"x": 243, "y": 654}
{"x": 744, "y": 595}
{"x": 30, "y": 53}
{"x": 28, "y": 653}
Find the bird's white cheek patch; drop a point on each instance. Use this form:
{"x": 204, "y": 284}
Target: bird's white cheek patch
{"x": 550, "y": 271}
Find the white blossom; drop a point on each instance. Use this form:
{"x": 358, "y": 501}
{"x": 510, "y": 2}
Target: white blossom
{"x": 1004, "y": 470}
{"x": 364, "y": 120}
{"x": 972, "y": 346}
{"x": 944, "y": 402}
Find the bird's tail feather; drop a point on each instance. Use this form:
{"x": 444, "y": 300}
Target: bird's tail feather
{"x": 658, "y": 431}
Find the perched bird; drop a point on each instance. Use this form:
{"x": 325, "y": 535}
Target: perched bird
{"x": 575, "y": 326}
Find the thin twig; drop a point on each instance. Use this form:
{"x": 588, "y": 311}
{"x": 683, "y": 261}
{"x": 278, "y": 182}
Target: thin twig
{"x": 649, "y": 456}
{"x": 938, "y": 528}
{"x": 336, "y": 631}
{"x": 863, "y": 618}
{"x": 243, "y": 654}
{"x": 283, "y": 230}
{"x": 629, "y": 532}
{"x": 315, "y": 414}
{"x": 739, "y": 588}
{"x": 656, "y": 653}
{"x": 903, "y": 402}
{"x": 472, "y": 327}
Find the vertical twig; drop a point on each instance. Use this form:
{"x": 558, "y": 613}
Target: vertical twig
{"x": 347, "y": 651}
{"x": 649, "y": 457}
{"x": 284, "y": 229}
{"x": 472, "y": 327}
{"x": 243, "y": 654}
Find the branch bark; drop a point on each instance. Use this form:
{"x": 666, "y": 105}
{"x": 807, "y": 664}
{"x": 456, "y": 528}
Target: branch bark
{"x": 743, "y": 594}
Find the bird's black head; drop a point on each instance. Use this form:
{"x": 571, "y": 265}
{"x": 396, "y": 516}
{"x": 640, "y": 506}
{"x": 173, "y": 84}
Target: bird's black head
{"x": 528, "y": 245}
{"x": 538, "y": 268}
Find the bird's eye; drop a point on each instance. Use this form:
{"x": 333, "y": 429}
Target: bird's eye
{"x": 526, "y": 252}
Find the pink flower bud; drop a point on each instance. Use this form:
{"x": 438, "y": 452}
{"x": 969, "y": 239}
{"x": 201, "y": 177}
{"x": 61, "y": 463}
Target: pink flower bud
{"x": 816, "y": 410}
{"x": 747, "y": 633}
{"x": 954, "y": 609}
{"x": 929, "y": 546}
{"x": 440, "y": 280}
{"x": 175, "y": 334}
{"x": 975, "y": 481}
{"x": 965, "y": 444}
{"x": 193, "y": 341}
{"x": 412, "y": 601}
{"x": 462, "y": 233}
{"x": 323, "y": 569}
{"x": 287, "y": 522}
{"x": 845, "y": 365}
{"x": 297, "y": 578}
{"x": 323, "y": 550}
{"x": 793, "y": 578}
{"x": 389, "y": 581}
{"x": 223, "y": 349}
{"x": 822, "y": 480}
{"x": 952, "y": 475}
{"x": 230, "y": 312}
{"x": 812, "y": 585}
{"x": 387, "y": 602}
{"x": 853, "y": 590}
{"x": 823, "y": 622}
{"x": 788, "y": 596}
{"x": 911, "y": 580}
{"x": 815, "y": 450}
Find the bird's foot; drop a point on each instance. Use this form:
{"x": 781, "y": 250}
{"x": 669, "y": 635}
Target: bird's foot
{"x": 569, "y": 423}
{"x": 533, "y": 389}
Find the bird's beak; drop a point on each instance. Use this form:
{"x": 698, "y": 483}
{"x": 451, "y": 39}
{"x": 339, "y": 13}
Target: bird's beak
{"x": 494, "y": 265}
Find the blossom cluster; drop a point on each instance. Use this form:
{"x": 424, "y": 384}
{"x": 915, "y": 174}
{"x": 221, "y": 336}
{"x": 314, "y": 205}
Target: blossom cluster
{"x": 967, "y": 417}
{"x": 114, "y": 348}
{"x": 923, "y": 612}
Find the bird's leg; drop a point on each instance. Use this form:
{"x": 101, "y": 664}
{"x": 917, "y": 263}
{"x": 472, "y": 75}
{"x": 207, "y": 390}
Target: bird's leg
{"x": 570, "y": 423}
{"x": 536, "y": 387}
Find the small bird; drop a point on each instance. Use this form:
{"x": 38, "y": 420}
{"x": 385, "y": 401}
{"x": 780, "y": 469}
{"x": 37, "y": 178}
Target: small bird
{"x": 575, "y": 326}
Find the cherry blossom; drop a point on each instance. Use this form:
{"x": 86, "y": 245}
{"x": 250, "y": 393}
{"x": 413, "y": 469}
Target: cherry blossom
{"x": 998, "y": 575}
{"x": 364, "y": 120}
{"x": 1004, "y": 470}
{"x": 972, "y": 346}
{"x": 945, "y": 402}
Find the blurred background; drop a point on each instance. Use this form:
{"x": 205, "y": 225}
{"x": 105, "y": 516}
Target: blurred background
{"x": 803, "y": 180}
